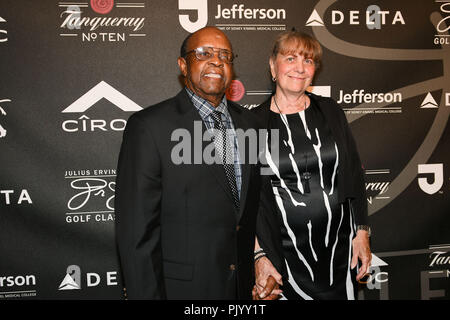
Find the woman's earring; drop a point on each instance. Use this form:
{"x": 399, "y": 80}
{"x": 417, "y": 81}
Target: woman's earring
{"x": 274, "y": 79}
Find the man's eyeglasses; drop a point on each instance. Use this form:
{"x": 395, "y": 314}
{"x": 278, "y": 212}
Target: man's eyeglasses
{"x": 206, "y": 53}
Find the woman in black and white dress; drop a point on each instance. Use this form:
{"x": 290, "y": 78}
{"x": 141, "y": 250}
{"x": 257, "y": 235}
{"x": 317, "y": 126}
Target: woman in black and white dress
{"x": 316, "y": 194}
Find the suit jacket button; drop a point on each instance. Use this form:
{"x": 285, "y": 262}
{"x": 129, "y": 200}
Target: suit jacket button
{"x": 232, "y": 267}
{"x": 238, "y": 228}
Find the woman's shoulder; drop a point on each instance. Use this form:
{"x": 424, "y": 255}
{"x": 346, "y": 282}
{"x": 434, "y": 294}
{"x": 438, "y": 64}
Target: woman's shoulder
{"x": 261, "y": 107}
{"x": 326, "y": 104}
{"x": 261, "y": 111}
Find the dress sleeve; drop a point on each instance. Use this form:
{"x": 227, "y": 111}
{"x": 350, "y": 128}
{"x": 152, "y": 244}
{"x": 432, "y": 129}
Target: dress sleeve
{"x": 359, "y": 202}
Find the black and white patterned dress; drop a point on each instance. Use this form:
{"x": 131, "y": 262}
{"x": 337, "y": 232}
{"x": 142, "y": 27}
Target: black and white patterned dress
{"x": 317, "y": 230}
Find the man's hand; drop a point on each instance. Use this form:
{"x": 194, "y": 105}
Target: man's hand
{"x": 271, "y": 286}
{"x": 267, "y": 280}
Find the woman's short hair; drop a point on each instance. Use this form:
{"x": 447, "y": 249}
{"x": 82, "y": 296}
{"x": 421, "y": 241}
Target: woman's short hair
{"x": 295, "y": 42}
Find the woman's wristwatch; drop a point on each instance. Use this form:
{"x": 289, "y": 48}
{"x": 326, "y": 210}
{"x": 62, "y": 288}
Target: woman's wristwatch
{"x": 365, "y": 228}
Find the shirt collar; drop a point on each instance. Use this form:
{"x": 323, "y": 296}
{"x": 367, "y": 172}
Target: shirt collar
{"x": 205, "y": 107}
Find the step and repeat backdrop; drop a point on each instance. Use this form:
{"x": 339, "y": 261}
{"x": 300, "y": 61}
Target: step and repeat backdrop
{"x": 71, "y": 74}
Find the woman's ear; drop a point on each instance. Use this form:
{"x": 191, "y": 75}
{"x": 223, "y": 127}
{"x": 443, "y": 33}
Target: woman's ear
{"x": 273, "y": 70}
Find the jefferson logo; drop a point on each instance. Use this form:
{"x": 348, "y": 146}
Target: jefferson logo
{"x": 201, "y": 8}
{"x": 272, "y": 19}
{"x": 235, "y": 91}
{"x": 17, "y": 286}
{"x": 324, "y": 91}
{"x": 437, "y": 170}
{"x": 237, "y": 12}
{"x": 369, "y": 102}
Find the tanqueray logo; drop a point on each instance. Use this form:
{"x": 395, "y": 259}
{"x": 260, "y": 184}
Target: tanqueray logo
{"x": 100, "y": 91}
{"x": 98, "y": 24}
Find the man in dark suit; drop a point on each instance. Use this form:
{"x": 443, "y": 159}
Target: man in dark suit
{"x": 186, "y": 230}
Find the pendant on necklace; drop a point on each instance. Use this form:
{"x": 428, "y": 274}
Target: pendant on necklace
{"x": 306, "y": 175}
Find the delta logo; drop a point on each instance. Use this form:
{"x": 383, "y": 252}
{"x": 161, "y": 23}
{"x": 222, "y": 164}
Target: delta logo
{"x": 73, "y": 279}
{"x": 373, "y": 18}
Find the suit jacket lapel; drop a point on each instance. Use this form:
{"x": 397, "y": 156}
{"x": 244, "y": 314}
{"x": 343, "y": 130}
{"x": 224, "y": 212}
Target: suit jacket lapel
{"x": 240, "y": 122}
{"x": 191, "y": 120}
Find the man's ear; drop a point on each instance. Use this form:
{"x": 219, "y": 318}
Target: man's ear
{"x": 182, "y": 64}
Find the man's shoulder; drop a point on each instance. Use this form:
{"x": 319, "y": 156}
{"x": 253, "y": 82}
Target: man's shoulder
{"x": 160, "y": 109}
{"x": 159, "y": 112}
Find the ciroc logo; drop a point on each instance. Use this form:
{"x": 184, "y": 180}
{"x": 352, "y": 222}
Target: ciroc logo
{"x": 88, "y": 100}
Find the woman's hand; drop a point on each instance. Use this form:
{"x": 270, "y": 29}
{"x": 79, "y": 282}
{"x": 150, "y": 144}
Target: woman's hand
{"x": 361, "y": 251}
{"x": 267, "y": 280}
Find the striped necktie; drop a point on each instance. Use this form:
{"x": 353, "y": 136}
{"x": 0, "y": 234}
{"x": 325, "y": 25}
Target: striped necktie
{"x": 224, "y": 148}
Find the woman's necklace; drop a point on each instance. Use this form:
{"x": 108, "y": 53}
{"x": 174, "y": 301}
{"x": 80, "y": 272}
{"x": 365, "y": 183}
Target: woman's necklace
{"x": 306, "y": 175}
